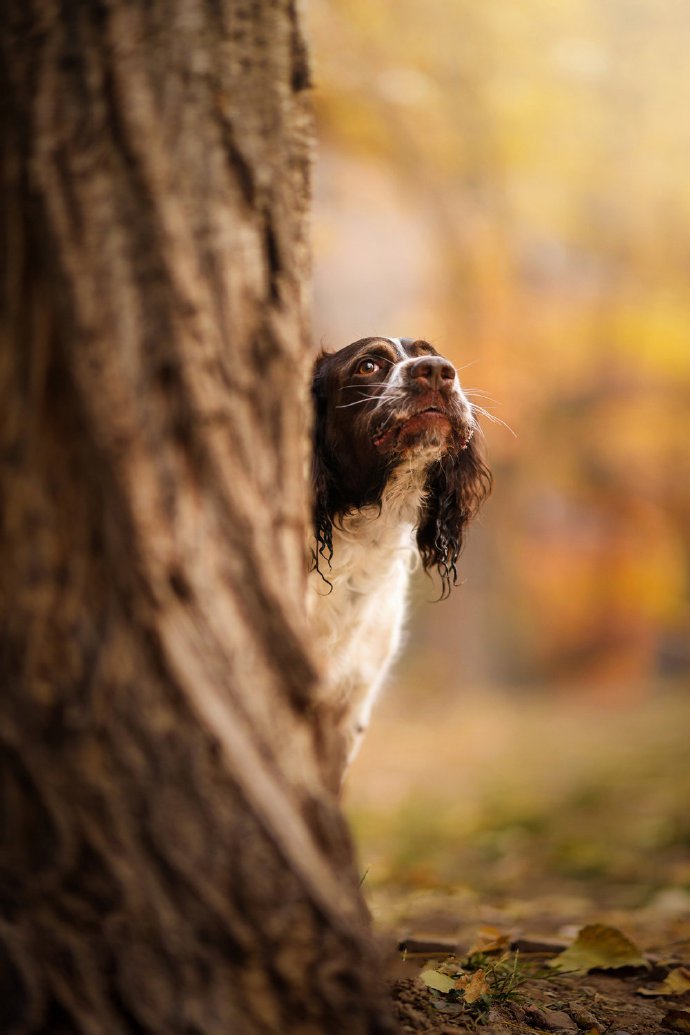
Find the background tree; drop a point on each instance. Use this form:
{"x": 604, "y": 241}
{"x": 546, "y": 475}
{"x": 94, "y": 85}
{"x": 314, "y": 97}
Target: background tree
{"x": 170, "y": 859}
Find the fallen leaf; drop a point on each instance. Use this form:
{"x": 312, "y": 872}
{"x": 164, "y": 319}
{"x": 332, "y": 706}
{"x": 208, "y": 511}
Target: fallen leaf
{"x": 489, "y": 939}
{"x": 676, "y": 982}
{"x": 473, "y": 986}
{"x": 439, "y": 982}
{"x": 598, "y": 947}
{"x": 677, "y": 1020}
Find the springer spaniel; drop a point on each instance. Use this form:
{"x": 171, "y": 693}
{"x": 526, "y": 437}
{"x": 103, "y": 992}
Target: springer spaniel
{"x": 396, "y": 474}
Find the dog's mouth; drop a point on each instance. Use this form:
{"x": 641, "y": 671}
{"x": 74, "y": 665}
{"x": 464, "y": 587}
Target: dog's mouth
{"x": 412, "y": 429}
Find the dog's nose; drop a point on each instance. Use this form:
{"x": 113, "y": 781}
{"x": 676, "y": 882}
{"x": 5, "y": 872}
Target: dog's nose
{"x": 432, "y": 372}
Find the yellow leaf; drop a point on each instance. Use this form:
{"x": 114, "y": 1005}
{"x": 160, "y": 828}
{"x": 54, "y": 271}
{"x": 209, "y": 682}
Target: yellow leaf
{"x": 676, "y": 982}
{"x": 489, "y": 939}
{"x": 677, "y": 1020}
{"x": 473, "y": 986}
{"x": 439, "y": 982}
{"x": 598, "y": 947}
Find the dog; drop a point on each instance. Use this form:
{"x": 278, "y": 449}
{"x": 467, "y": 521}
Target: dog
{"x": 397, "y": 474}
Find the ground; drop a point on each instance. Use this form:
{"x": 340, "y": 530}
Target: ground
{"x": 517, "y": 991}
{"x": 596, "y": 1004}
{"x": 492, "y": 829}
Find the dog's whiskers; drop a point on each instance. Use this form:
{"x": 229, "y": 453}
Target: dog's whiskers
{"x": 482, "y": 394}
{"x": 358, "y": 402}
{"x": 392, "y": 395}
{"x": 388, "y": 419}
{"x": 493, "y": 418}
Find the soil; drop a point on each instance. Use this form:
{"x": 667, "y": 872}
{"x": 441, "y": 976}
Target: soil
{"x": 515, "y": 821}
{"x": 601, "y": 1002}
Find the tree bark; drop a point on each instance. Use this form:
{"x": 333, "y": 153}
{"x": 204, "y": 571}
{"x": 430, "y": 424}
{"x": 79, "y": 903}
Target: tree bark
{"x": 169, "y": 858}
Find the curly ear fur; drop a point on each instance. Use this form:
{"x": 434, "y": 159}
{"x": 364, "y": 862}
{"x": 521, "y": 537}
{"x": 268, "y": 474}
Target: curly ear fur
{"x": 456, "y": 487}
{"x": 322, "y": 475}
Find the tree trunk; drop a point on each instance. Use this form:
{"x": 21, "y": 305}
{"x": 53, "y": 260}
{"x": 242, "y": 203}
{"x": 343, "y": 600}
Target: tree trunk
{"x": 170, "y": 861}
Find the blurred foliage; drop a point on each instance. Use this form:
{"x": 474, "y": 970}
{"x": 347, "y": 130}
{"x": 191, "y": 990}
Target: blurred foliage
{"x": 511, "y": 182}
{"x": 530, "y": 798}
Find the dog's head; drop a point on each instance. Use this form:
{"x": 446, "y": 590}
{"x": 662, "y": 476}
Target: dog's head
{"x": 381, "y": 402}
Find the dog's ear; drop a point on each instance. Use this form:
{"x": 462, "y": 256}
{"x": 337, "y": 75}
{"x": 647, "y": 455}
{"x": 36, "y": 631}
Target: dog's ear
{"x": 322, "y": 474}
{"x": 456, "y": 487}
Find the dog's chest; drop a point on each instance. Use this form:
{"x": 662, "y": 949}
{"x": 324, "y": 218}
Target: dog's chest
{"x": 358, "y": 622}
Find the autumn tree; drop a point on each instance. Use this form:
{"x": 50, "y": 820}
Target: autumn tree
{"x": 170, "y": 859}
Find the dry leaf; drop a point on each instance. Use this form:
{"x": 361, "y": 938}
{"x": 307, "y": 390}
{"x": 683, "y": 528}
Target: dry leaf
{"x": 439, "y": 982}
{"x": 473, "y": 986}
{"x": 677, "y": 1020}
{"x": 489, "y": 939}
{"x": 677, "y": 982}
{"x": 598, "y": 947}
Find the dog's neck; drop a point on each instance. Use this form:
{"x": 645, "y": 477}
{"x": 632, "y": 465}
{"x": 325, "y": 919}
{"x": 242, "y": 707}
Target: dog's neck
{"x": 381, "y": 530}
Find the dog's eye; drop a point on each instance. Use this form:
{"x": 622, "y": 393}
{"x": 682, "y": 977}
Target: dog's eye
{"x": 368, "y": 366}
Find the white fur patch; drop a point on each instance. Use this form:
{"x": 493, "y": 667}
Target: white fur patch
{"x": 358, "y": 623}
{"x": 399, "y": 346}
